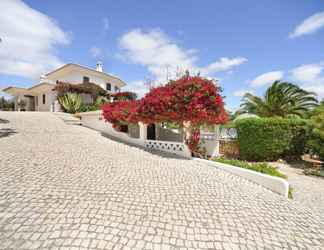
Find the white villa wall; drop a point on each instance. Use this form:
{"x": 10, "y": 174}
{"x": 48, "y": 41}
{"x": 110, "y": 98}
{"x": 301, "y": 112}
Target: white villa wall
{"x": 94, "y": 120}
{"x": 77, "y": 77}
{"x": 50, "y": 99}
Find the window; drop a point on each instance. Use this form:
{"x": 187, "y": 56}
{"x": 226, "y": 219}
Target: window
{"x": 44, "y": 98}
{"x": 108, "y": 86}
{"x": 117, "y": 89}
{"x": 86, "y": 79}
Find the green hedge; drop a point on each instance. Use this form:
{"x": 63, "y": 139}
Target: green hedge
{"x": 267, "y": 139}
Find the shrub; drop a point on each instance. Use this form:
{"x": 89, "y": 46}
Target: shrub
{"x": 316, "y": 129}
{"x": 87, "y": 107}
{"x": 261, "y": 167}
{"x": 71, "y": 102}
{"x": 266, "y": 139}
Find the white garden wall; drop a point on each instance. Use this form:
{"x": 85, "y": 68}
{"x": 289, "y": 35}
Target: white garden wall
{"x": 95, "y": 121}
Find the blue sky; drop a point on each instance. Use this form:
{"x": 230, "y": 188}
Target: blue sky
{"x": 244, "y": 44}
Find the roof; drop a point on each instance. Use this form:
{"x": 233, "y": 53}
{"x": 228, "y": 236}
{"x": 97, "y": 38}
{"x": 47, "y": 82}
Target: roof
{"x": 85, "y": 68}
{"x": 15, "y": 90}
{"x": 30, "y": 91}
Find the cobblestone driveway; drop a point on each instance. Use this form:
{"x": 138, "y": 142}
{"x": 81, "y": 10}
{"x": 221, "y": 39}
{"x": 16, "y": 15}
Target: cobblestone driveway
{"x": 67, "y": 186}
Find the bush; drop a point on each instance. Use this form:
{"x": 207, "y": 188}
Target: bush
{"x": 258, "y": 167}
{"x": 316, "y": 129}
{"x": 267, "y": 139}
{"x": 87, "y": 107}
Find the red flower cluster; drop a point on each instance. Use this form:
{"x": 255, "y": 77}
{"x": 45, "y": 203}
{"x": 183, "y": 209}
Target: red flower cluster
{"x": 121, "y": 112}
{"x": 188, "y": 99}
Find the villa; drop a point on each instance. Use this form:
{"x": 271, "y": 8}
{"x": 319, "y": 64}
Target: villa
{"x": 42, "y": 97}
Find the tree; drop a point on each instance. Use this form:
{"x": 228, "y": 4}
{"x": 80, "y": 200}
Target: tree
{"x": 190, "y": 102}
{"x": 6, "y": 105}
{"x": 281, "y": 99}
{"x": 191, "y": 99}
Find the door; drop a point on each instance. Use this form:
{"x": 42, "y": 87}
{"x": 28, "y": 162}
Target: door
{"x": 151, "y": 132}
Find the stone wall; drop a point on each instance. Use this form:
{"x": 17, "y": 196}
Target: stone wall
{"x": 229, "y": 148}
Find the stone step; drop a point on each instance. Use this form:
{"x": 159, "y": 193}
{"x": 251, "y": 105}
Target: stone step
{"x": 68, "y": 118}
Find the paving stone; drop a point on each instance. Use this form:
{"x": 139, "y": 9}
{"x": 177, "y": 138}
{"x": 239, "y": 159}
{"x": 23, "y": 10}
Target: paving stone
{"x": 64, "y": 186}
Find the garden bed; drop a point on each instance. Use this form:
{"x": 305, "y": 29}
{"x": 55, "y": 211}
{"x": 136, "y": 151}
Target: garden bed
{"x": 260, "y": 167}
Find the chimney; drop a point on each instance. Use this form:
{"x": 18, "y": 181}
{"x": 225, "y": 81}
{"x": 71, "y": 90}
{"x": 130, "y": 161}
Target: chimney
{"x": 99, "y": 66}
{"x": 42, "y": 79}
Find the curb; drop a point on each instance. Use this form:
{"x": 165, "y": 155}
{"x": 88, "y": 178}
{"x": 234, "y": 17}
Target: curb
{"x": 273, "y": 183}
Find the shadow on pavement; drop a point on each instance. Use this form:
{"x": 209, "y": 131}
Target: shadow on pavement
{"x": 3, "y": 121}
{"x": 4, "y": 132}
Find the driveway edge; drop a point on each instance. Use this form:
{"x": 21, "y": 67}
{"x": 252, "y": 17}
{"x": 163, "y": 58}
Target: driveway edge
{"x": 275, "y": 184}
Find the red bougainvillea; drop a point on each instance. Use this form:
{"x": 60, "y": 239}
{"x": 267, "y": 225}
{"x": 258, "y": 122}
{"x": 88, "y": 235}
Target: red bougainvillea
{"x": 190, "y": 100}
{"x": 120, "y": 113}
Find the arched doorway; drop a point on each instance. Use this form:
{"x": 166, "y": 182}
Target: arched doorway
{"x": 151, "y": 131}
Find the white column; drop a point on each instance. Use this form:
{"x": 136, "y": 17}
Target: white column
{"x": 217, "y": 137}
{"x": 143, "y": 131}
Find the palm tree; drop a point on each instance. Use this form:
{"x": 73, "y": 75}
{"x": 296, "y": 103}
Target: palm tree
{"x": 281, "y": 99}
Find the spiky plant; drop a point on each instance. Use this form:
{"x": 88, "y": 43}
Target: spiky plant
{"x": 71, "y": 102}
{"x": 281, "y": 99}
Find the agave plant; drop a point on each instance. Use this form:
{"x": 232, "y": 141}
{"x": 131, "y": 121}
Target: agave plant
{"x": 71, "y": 102}
{"x": 281, "y": 99}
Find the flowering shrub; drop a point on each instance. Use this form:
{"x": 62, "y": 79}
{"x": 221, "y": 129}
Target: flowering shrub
{"x": 120, "y": 113}
{"x": 189, "y": 100}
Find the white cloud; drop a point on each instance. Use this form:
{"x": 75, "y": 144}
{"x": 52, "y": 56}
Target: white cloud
{"x": 138, "y": 87}
{"x": 162, "y": 56}
{"x": 307, "y": 73}
{"x": 310, "y": 77}
{"x": 96, "y": 52}
{"x": 242, "y": 92}
{"x": 28, "y": 39}
{"x": 267, "y": 78}
{"x": 223, "y": 64}
{"x": 309, "y": 25}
